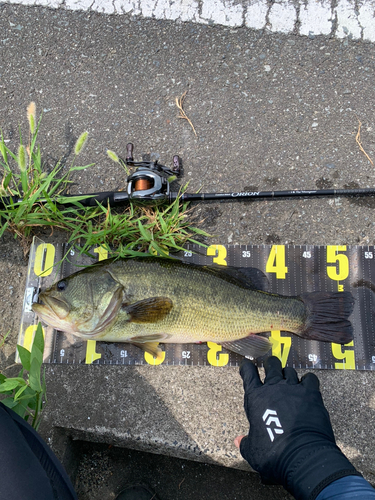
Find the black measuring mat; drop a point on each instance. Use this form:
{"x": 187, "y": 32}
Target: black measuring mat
{"x": 291, "y": 270}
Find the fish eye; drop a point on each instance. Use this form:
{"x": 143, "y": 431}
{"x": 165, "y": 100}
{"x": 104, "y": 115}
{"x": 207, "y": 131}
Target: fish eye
{"x": 61, "y": 285}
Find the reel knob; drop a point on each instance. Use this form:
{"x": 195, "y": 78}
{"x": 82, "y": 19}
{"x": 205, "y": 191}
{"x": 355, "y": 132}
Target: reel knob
{"x": 129, "y": 152}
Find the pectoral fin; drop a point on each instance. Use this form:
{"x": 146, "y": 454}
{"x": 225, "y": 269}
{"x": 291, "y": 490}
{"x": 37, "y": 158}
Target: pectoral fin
{"x": 149, "y": 310}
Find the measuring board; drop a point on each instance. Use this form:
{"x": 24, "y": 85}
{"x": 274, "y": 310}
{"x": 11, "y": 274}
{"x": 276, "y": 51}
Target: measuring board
{"x": 291, "y": 270}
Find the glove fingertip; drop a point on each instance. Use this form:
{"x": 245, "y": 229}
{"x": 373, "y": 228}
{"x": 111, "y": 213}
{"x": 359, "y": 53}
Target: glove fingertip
{"x": 290, "y": 375}
{"x": 310, "y": 381}
{"x": 274, "y": 372}
{"x": 250, "y": 375}
{"x": 245, "y": 363}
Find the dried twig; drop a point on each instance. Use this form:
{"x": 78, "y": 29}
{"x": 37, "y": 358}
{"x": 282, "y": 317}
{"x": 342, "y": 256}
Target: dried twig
{"x": 179, "y": 104}
{"x": 179, "y": 486}
{"x": 358, "y": 141}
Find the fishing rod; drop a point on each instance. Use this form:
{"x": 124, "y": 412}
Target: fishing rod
{"x": 149, "y": 186}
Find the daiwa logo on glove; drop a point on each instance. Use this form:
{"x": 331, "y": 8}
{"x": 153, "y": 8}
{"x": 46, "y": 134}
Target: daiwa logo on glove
{"x": 269, "y": 420}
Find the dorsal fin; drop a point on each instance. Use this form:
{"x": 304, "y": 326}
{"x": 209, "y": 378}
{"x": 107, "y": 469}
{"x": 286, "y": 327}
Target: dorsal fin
{"x": 248, "y": 277}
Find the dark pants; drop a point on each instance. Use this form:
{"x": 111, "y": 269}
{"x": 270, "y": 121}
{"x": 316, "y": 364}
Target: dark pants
{"x": 28, "y": 468}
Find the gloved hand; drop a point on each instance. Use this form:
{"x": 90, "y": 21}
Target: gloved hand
{"x": 291, "y": 440}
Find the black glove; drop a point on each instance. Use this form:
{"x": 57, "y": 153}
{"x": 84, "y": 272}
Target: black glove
{"x": 291, "y": 440}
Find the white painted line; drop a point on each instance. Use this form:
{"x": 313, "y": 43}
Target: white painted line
{"x": 282, "y": 17}
{"x": 367, "y": 20}
{"x": 354, "y": 19}
{"x": 347, "y": 20}
{"x": 315, "y": 18}
{"x": 223, "y": 12}
{"x": 255, "y": 16}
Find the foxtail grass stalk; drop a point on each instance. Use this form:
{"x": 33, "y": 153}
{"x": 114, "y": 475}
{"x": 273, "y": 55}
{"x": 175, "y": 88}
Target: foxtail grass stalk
{"x": 31, "y": 110}
{"x": 81, "y": 141}
{"x": 22, "y": 163}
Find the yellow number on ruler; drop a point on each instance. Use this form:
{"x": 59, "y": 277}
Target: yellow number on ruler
{"x": 102, "y": 253}
{"x": 333, "y": 257}
{"x": 278, "y": 341}
{"x": 91, "y": 354}
{"x": 155, "y": 361}
{"x": 276, "y": 262}
{"x": 159, "y": 254}
{"x": 220, "y": 253}
{"x": 347, "y": 355}
{"x": 44, "y": 257}
{"x": 214, "y": 356}
{"x": 29, "y": 336}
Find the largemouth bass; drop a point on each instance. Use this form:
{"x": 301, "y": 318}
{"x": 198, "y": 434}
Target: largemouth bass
{"x": 146, "y": 301}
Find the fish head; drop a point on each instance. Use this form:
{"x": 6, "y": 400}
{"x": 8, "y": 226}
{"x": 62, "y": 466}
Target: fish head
{"x": 83, "y": 304}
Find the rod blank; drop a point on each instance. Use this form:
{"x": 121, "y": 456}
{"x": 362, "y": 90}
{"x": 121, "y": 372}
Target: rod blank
{"x": 121, "y": 198}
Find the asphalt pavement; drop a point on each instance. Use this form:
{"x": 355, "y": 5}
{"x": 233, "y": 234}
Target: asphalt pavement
{"x": 271, "y": 111}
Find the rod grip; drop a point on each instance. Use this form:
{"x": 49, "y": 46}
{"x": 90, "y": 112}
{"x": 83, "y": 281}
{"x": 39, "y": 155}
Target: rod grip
{"x": 108, "y": 197}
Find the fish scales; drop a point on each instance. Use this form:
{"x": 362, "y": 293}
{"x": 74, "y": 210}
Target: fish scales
{"x": 206, "y": 307}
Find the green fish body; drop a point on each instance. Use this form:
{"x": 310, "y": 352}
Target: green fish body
{"x": 150, "y": 300}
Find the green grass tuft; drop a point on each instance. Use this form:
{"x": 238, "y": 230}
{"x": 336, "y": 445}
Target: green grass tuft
{"x": 127, "y": 232}
{"x": 26, "y": 394}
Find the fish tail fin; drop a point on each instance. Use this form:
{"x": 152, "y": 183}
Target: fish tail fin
{"x": 327, "y": 317}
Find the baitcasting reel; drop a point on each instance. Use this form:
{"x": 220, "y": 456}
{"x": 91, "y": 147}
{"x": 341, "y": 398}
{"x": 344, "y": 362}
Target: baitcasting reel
{"x": 149, "y": 184}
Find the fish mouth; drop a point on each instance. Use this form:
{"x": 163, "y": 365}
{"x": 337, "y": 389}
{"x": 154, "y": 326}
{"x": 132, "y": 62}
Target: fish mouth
{"x": 58, "y": 320}
{"x": 51, "y": 310}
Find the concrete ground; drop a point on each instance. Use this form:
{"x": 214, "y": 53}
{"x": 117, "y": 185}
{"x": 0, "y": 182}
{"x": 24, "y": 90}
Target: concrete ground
{"x": 271, "y": 111}
{"x": 103, "y": 471}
